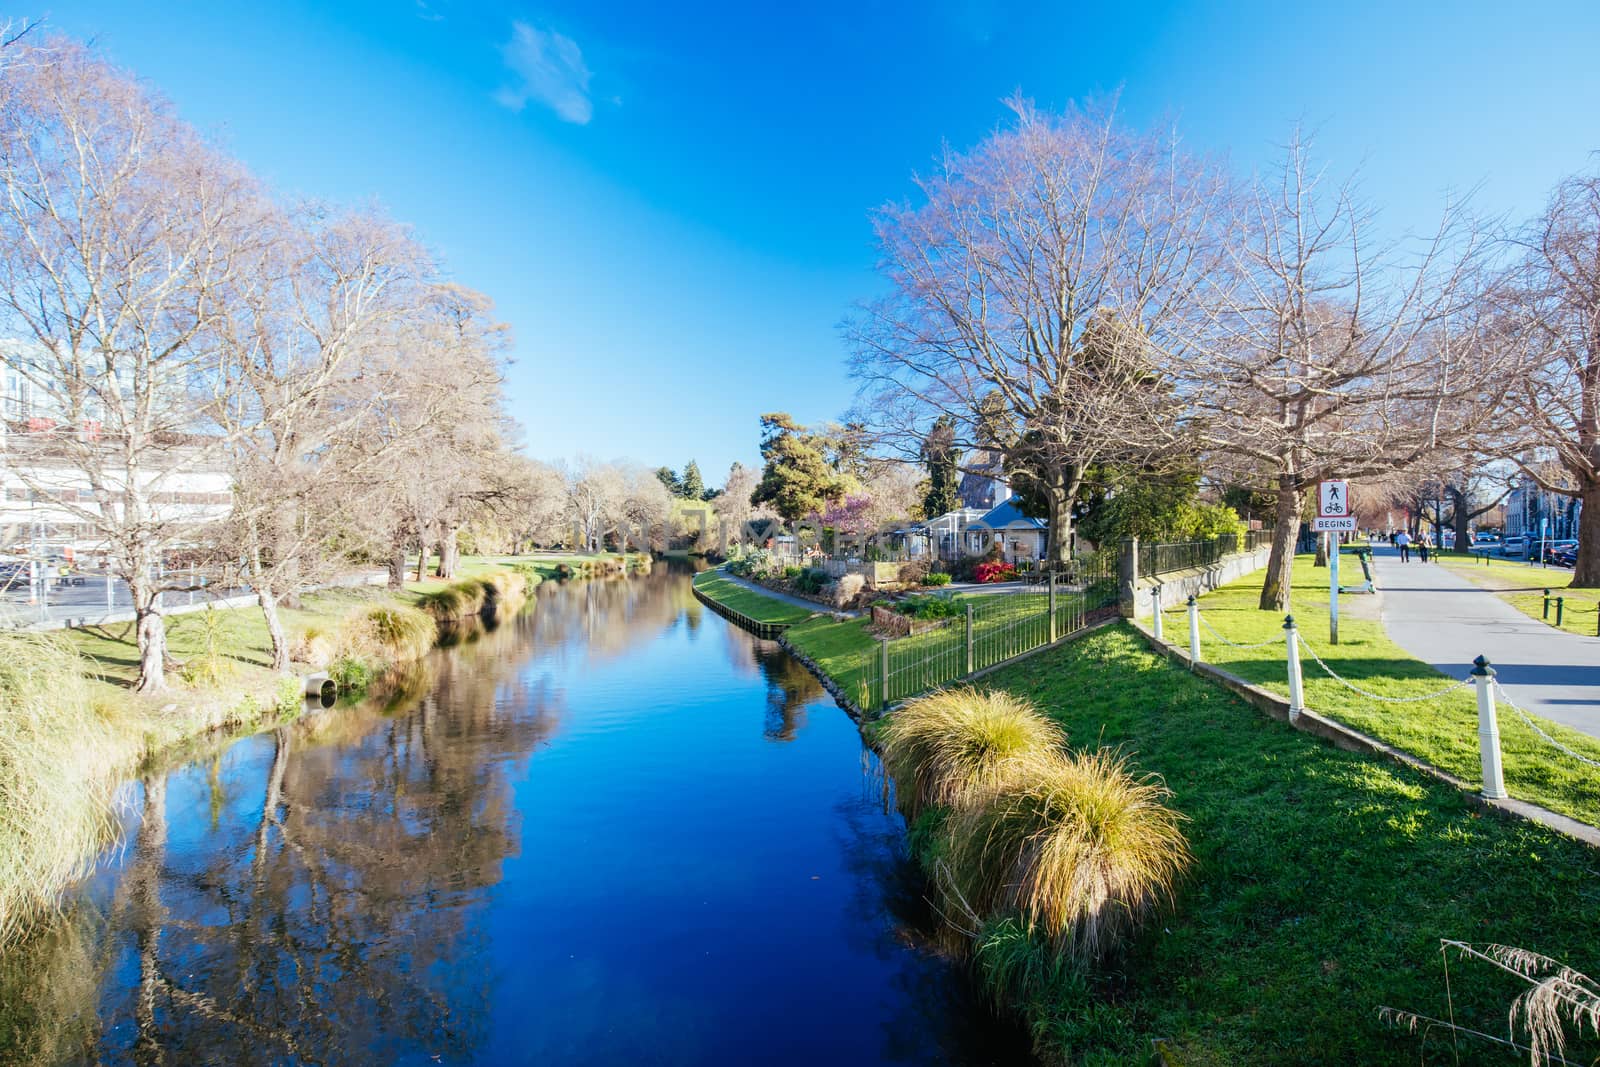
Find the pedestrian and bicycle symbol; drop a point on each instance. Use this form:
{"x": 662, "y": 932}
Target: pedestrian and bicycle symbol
{"x": 1333, "y": 500}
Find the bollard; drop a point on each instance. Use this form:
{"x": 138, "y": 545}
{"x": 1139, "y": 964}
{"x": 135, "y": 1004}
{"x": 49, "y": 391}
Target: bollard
{"x": 1494, "y": 781}
{"x": 1194, "y": 632}
{"x": 1155, "y": 596}
{"x": 1297, "y": 699}
{"x": 1560, "y": 602}
{"x": 969, "y": 637}
{"x": 1547, "y": 605}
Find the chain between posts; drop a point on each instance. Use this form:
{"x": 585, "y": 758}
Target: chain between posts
{"x": 1506, "y": 698}
{"x": 1235, "y": 644}
{"x": 1374, "y": 696}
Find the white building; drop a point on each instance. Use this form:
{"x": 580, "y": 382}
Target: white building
{"x": 47, "y": 504}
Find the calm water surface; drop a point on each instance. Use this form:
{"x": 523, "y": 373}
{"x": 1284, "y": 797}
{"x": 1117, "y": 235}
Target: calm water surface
{"x": 618, "y": 830}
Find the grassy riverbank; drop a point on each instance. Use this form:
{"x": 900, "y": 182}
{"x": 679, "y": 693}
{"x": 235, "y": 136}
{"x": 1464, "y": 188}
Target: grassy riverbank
{"x": 749, "y": 603}
{"x": 74, "y": 727}
{"x": 1442, "y": 731}
{"x": 1322, "y": 883}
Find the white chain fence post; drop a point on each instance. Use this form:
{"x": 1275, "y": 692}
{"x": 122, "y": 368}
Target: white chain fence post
{"x": 1494, "y": 781}
{"x": 1155, "y": 596}
{"x": 1297, "y": 701}
{"x": 1194, "y": 631}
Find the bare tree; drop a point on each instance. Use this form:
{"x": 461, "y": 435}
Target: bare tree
{"x": 301, "y": 334}
{"x": 1552, "y": 300}
{"x": 1328, "y": 353}
{"x": 1032, "y": 292}
{"x": 432, "y": 437}
{"x": 120, "y": 231}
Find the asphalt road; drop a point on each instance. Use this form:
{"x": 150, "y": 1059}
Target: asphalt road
{"x": 1446, "y": 620}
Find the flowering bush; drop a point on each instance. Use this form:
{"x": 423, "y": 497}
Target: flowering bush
{"x": 995, "y": 571}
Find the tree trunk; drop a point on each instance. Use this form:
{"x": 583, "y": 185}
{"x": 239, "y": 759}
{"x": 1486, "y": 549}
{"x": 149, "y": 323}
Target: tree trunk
{"x": 422, "y": 559}
{"x": 449, "y": 553}
{"x": 280, "y": 640}
{"x": 1060, "y": 493}
{"x": 1280, "y": 564}
{"x": 151, "y": 632}
{"x": 1586, "y": 575}
{"x": 1462, "y": 514}
{"x": 397, "y": 566}
{"x": 1322, "y": 552}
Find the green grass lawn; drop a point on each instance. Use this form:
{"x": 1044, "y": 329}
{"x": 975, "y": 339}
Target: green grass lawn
{"x": 1322, "y": 884}
{"x": 1523, "y": 588}
{"x": 1442, "y": 731}
{"x": 748, "y": 602}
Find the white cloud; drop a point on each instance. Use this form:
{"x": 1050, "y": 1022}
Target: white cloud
{"x": 548, "y": 67}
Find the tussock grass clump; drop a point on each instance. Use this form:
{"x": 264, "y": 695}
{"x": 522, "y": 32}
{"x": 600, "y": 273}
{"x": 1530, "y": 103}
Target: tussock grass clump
{"x": 488, "y": 591}
{"x": 454, "y": 601}
{"x": 390, "y": 632}
{"x": 58, "y": 743}
{"x": 955, "y": 746}
{"x": 1075, "y": 845}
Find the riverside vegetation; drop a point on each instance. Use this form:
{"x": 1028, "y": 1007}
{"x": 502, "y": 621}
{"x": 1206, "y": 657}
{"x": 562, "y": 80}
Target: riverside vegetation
{"x": 1301, "y": 888}
{"x": 73, "y": 727}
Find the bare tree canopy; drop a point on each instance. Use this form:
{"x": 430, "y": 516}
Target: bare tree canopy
{"x": 1327, "y": 352}
{"x": 1551, "y": 302}
{"x": 1032, "y": 292}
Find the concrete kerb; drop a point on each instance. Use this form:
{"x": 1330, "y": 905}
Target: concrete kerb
{"x": 1352, "y": 740}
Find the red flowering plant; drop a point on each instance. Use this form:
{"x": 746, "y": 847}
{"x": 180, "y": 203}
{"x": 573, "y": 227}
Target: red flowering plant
{"x": 995, "y": 570}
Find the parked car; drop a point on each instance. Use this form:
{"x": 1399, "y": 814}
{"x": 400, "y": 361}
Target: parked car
{"x": 1485, "y": 539}
{"x": 1563, "y": 553}
{"x": 1514, "y": 546}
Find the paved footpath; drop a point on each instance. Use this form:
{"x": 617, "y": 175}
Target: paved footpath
{"x": 1446, "y": 620}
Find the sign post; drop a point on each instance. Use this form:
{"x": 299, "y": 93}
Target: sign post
{"x": 1333, "y": 516}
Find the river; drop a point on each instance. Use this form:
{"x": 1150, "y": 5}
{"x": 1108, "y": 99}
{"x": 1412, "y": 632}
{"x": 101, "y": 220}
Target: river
{"x": 616, "y": 830}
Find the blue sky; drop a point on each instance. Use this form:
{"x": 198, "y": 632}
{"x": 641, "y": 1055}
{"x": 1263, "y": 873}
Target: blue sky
{"x": 669, "y": 202}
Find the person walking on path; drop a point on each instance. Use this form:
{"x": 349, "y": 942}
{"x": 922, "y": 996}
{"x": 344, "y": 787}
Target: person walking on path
{"x": 1402, "y": 541}
{"x": 1422, "y": 547}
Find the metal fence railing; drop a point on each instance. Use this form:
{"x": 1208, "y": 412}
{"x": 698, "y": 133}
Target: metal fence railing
{"x": 991, "y": 631}
{"x": 1187, "y": 555}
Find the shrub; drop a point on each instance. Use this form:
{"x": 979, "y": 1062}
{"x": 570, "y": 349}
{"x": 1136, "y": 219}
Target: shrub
{"x": 288, "y": 699}
{"x": 1075, "y": 845}
{"x": 791, "y": 573}
{"x": 350, "y": 673}
{"x": 954, "y": 746}
{"x": 929, "y": 607}
{"x": 936, "y": 578}
{"x": 994, "y": 571}
{"x": 56, "y": 800}
{"x": 811, "y": 580}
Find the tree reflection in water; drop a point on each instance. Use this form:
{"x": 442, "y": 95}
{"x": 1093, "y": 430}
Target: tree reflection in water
{"x": 325, "y": 893}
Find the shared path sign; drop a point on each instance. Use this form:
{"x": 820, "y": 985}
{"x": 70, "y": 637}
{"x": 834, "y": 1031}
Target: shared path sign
{"x": 1333, "y": 508}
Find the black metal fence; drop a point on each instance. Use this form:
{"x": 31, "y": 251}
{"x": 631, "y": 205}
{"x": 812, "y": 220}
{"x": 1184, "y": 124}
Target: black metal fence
{"x": 1189, "y": 555}
{"x": 993, "y": 629}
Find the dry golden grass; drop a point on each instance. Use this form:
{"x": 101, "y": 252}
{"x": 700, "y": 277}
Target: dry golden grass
{"x": 955, "y": 746}
{"x": 59, "y": 740}
{"x": 1075, "y": 845}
